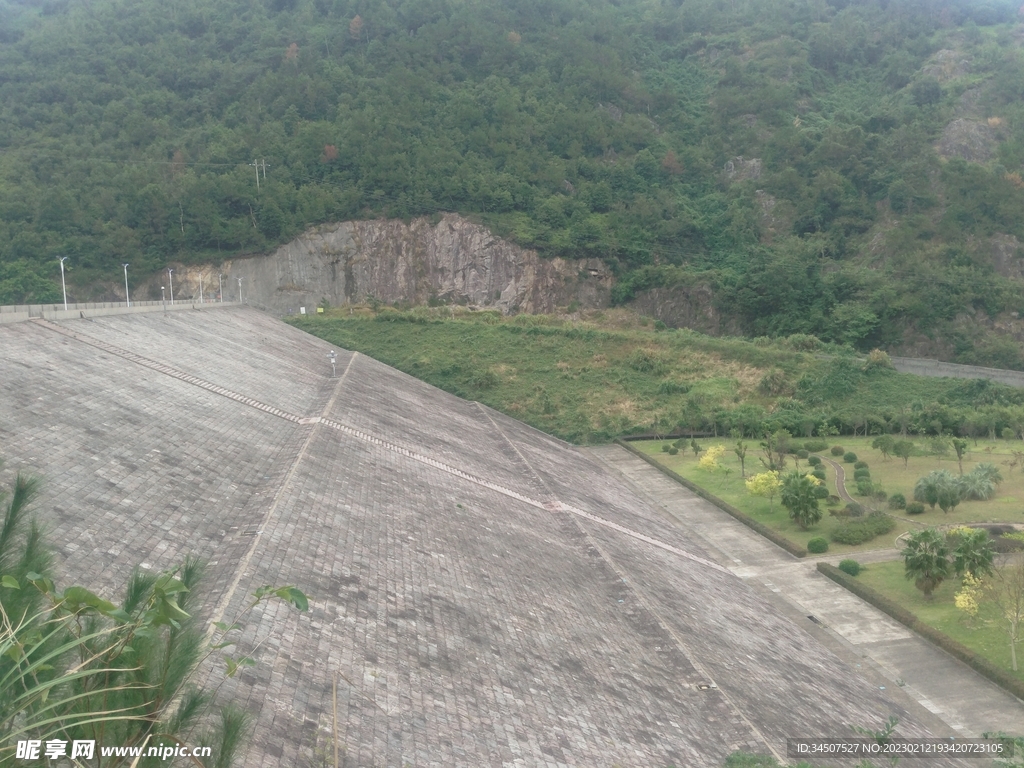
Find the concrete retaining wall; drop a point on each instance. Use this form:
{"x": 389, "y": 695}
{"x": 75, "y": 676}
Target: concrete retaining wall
{"x": 935, "y": 368}
{"x": 22, "y": 312}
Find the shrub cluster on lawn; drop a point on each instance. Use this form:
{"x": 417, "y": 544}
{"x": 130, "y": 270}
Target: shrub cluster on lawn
{"x": 862, "y": 530}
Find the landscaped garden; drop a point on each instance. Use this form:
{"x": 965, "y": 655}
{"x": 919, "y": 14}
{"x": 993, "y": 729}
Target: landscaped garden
{"x": 984, "y": 633}
{"x": 878, "y": 482}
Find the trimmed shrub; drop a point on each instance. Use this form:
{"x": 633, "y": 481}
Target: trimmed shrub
{"x": 853, "y": 509}
{"x": 837, "y": 450}
{"x": 813, "y": 446}
{"x": 897, "y": 501}
{"x": 666, "y": 447}
{"x": 865, "y": 487}
{"x": 852, "y": 567}
{"x": 817, "y": 545}
{"x": 819, "y": 472}
{"x": 862, "y": 474}
{"x": 833, "y": 500}
{"x": 880, "y": 495}
{"x": 802, "y": 454}
{"x": 1008, "y": 434}
{"x": 849, "y": 457}
{"x": 673, "y": 451}
{"x": 860, "y": 465}
{"x": 814, "y": 461}
{"x": 821, "y": 492}
{"x": 863, "y": 530}
{"x": 915, "y": 508}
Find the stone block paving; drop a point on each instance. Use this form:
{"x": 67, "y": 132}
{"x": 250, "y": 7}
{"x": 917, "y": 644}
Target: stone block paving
{"x": 487, "y": 631}
{"x": 400, "y": 409}
{"x": 136, "y": 467}
{"x": 465, "y": 624}
{"x": 231, "y": 348}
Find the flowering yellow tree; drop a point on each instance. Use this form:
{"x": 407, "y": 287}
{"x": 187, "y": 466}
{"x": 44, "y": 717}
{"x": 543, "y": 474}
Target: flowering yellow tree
{"x": 766, "y": 485}
{"x": 709, "y": 460}
{"x": 966, "y": 599}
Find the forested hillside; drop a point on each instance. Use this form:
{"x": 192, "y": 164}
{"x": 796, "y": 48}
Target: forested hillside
{"x": 852, "y": 171}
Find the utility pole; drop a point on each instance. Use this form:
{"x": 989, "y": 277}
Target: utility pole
{"x": 127, "y": 295}
{"x": 255, "y": 164}
{"x": 170, "y": 278}
{"x": 201, "y": 287}
{"x": 220, "y": 280}
{"x": 62, "y": 283}
{"x": 240, "y": 290}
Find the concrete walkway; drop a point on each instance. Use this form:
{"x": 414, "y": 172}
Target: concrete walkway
{"x": 885, "y": 651}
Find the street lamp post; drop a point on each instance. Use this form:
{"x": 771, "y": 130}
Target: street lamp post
{"x": 334, "y": 359}
{"x": 240, "y": 290}
{"x": 127, "y": 295}
{"x": 200, "y": 287}
{"x": 170, "y": 278}
{"x": 163, "y": 296}
{"x": 63, "y": 285}
{"x": 220, "y": 280}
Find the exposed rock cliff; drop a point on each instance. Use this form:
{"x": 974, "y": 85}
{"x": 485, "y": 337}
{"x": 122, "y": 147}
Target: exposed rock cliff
{"x": 452, "y": 260}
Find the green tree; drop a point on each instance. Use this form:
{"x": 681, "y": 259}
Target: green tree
{"x": 775, "y": 447}
{"x": 740, "y": 449}
{"x": 926, "y": 560}
{"x": 960, "y": 446}
{"x": 800, "y": 499}
{"x": 903, "y": 449}
{"x": 884, "y": 444}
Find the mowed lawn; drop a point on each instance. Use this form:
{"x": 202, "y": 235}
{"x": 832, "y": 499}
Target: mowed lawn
{"x": 985, "y": 635}
{"x": 891, "y": 474}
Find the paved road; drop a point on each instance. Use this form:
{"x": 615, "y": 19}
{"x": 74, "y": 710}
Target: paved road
{"x": 886, "y": 651}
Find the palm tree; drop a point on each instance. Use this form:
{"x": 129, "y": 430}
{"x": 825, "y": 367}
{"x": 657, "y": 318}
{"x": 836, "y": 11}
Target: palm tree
{"x": 74, "y": 666}
{"x": 799, "y": 498}
{"x": 973, "y": 553}
{"x": 926, "y": 560}
{"x": 977, "y": 487}
{"x": 928, "y": 487}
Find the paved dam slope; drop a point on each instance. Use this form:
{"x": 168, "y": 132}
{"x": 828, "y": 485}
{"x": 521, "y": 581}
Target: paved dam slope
{"x": 483, "y": 594}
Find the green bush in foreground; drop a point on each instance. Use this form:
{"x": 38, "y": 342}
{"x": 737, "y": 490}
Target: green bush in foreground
{"x": 849, "y": 566}
{"x": 849, "y": 457}
{"x": 817, "y": 545}
{"x": 814, "y": 461}
{"x": 837, "y": 450}
{"x": 898, "y": 501}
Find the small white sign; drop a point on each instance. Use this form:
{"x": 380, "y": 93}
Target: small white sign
{"x": 302, "y": 310}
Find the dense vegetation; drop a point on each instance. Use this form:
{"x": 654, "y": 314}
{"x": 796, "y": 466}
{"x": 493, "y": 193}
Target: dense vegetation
{"x": 617, "y": 130}
{"x": 609, "y": 375}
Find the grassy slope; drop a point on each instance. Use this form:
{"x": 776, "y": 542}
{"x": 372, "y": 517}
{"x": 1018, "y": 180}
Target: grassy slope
{"x": 983, "y": 635}
{"x": 610, "y": 373}
{"x": 577, "y": 381}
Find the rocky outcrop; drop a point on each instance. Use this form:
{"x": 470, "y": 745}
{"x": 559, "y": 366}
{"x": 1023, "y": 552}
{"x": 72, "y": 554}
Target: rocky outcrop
{"x": 685, "y": 306}
{"x": 972, "y": 140}
{"x": 452, "y": 260}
